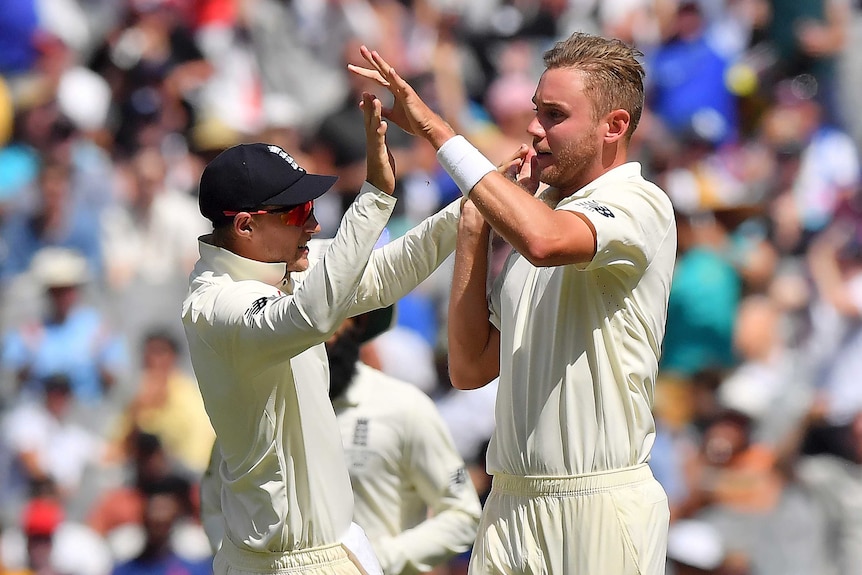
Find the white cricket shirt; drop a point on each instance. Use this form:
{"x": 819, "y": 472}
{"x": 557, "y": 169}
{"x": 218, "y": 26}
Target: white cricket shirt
{"x": 580, "y": 344}
{"x": 256, "y": 345}
{"x": 403, "y": 463}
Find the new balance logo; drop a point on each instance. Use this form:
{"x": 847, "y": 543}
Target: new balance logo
{"x": 458, "y": 478}
{"x": 256, "y": 308}
{"x": 598, "y": 208}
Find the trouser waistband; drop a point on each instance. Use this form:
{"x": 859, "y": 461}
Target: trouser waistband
{"x": 268, "y": 562}
{"x": 571, "y": 484}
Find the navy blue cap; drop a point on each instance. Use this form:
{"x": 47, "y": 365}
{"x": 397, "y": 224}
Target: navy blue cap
{"x": 248, "y": 177}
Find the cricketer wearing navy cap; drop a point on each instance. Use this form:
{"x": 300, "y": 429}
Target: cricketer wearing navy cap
{"x": 256, "y": 318}
{"x": 248, "y": 177}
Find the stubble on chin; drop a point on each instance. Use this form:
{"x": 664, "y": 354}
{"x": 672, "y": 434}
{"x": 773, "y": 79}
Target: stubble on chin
{"x": 571, "y": 164}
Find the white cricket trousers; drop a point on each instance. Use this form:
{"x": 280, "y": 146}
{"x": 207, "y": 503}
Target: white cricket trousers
{"x": 328, "y": 560}
{"x": 609, "y": 523}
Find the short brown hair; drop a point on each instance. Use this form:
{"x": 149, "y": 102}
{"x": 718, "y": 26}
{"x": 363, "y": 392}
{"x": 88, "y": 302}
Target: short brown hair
{"x": 613, "y": 75}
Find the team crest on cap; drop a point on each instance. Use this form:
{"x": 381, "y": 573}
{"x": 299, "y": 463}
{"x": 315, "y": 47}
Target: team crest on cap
{"x": 285, "y": 156}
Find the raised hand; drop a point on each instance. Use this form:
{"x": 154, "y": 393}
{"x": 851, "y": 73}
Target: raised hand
{"x": 380, "y": 164}
{"x": 409, "y": 111}
{"x": 521, "y": 169}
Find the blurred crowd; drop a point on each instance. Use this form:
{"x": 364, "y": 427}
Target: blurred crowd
{"x": 109, "y": 109}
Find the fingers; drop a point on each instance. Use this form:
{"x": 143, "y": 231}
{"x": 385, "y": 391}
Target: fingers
{"x": 380, "y": 164}
{"x": 512, "y": 166}
{"x": 521, "y": 168}
{"x": 376, "y": 60}
{"x": 378, "y": 118}
{"x": 520, "y": 153}
{"x": 383, "y": 73}
{"x": 528, "y": 176}
{"x": 372, "y": 110}
{"x": 370, "y": 74}
{"x": 379, "y": 70}
{"x": 526, "y": 170}
{"x": 366, "y": 104}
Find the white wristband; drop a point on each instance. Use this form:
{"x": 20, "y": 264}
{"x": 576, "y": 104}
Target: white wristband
{"x": 464, "y": 163}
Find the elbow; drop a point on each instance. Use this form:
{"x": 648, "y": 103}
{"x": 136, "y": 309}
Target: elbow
{"x": 462, "y": 384}
{"x": 542, "y": 247}
{"x": 539, "y": 252}
{"x": 322, "y": 327}
{"x": 544, "y": 252}
{"x": 465, "y": 379}
{"x": 568, "y": 239}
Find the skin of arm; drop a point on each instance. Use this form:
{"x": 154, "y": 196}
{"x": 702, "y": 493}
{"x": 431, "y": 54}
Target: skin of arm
{"x": 474, "y": 343}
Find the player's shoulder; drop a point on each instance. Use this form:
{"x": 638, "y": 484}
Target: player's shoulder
{"x": 641, "y": 195}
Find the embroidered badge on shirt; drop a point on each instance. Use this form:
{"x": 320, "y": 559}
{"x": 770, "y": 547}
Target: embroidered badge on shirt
{"x": 360, "y": 432}
{"x": 597, "y": 207}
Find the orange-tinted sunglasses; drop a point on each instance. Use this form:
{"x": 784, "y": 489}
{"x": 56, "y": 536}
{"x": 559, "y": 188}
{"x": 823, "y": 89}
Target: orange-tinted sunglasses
{"x": 290, "y": 215}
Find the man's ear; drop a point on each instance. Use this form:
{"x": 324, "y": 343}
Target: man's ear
{"x": 618, "y": 122}
{"x": 243, "y": 224}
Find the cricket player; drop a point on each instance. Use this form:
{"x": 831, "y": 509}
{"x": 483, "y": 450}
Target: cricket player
{"x": 256, "y": 319}
{"x": 401, "y": 458}
{"x": 575, "y": 322}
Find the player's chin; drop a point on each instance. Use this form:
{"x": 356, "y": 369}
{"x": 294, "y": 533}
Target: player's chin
{"x": 300, "y": 264}
{"x": 549, "y": 174}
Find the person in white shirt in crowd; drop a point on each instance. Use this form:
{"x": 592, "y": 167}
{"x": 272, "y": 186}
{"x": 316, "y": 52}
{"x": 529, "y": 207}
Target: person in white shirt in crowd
{"x": 48, "y": 444}
{"x": 256, "y": 326}
{"x": 401, "y": 457}
{"x": 151, "y": 237}
{"x": 576, "y": 320}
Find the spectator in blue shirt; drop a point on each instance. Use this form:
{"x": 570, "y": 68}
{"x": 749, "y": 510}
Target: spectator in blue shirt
{"x": 54, "y": 222}
{"x": 71, "y": 338}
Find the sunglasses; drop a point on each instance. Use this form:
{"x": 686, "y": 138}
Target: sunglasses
{"x": 290, "y": 215}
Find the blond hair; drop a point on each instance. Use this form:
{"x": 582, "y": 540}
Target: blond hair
{"x": 613, "y": 75}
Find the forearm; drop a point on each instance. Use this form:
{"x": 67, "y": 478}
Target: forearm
{"x": 324, "y": 296}
{"x": 473, "y": 357}
{"x": 340, "y": 271}
{"x": 542, "y": 235}
{"x": 529, "y": 225}
{"x": 400, "y": 266}
{"x": 347, "y": 257}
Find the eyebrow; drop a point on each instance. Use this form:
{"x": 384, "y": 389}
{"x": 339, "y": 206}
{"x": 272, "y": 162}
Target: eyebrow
{"x": 550, "y": 104}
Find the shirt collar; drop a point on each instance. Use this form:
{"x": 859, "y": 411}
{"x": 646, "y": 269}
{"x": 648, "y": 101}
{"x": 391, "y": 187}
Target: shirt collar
{"x": 221, "y": 261}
